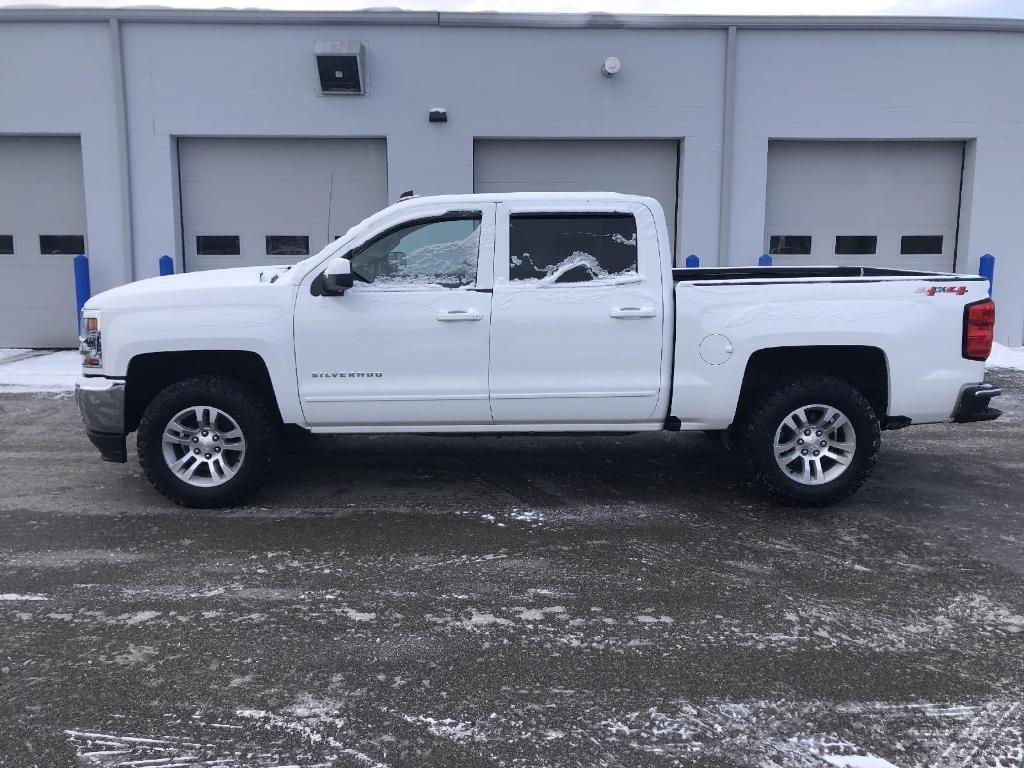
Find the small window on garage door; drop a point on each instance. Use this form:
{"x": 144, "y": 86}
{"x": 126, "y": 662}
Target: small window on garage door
{"x": 856, "y": 245}
{"x": 577, "y": 248}
{"x": 920, "y": 245}
{"x": 61, "y": 245}
{"x": 218, "y": 245}
{"x": 789, "y": 245}
{"x": 287, "y": 245}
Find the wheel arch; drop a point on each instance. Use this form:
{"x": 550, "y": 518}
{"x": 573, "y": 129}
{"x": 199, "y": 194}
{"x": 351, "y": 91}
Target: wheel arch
{"x": 866, "y": 368}
{"x": 151, "y": 372}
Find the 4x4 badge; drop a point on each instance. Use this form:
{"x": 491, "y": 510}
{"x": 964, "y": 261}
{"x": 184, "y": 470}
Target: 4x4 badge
{"x": 932, "y": 290}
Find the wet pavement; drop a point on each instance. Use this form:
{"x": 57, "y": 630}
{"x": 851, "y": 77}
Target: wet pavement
{"x": 536, "y": 601}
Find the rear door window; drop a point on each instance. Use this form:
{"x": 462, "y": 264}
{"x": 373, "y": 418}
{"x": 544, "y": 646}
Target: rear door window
{"x": 571, "y": 248}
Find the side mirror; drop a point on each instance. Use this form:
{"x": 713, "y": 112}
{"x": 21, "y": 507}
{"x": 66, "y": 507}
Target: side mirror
{"x": 338, "y": 276}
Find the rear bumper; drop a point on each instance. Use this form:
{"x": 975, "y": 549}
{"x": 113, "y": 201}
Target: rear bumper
{"x": 101, "y": 402}
{"x": 974, "y": 404}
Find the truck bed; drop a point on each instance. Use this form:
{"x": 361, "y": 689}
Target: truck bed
{"x": 685, "y": 274}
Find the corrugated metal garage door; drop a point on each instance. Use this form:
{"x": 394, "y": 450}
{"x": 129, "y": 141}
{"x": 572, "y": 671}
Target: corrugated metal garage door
{"x": 274, "y": 201}
{"x": 635, "y": 167}
{"x": 889, "y": 204}
{"x": 42, "y": 227}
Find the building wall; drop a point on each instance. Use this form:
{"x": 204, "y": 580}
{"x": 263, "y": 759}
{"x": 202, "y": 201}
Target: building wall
{"x": 58, "y": 79}
{"x": 260, "y": 81}
{"x": 185, "y": 79}
{"x": 891, "y": 85}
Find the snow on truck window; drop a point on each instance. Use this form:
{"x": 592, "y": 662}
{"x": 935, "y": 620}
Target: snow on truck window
{"x": 441, "y": 252}
{"x": 573, "y": 248}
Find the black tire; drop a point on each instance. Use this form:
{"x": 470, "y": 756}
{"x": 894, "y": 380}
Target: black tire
{"x": 756, "y": 431}
{"x": 259, "y": 427}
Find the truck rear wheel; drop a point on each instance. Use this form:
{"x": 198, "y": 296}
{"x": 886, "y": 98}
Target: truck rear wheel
{"x": 811, "y": 442}
{"x": 206, "y": 441}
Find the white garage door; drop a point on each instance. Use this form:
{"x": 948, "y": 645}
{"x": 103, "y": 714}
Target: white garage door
{"x": 892, "y": 204}
{"x": 274, "y": 201}
{"x": 635, "y": 167}
{"x": 42, "y": 227}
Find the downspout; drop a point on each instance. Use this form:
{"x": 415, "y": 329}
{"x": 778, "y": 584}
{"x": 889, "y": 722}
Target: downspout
{"x": 728, "y": 118}
{"x": 122, "y": 147}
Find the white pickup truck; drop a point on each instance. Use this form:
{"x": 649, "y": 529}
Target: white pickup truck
{"x": 532, "y": 313}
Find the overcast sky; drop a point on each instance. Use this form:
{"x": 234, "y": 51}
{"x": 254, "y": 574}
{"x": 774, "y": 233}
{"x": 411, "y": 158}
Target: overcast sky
{"x": 1007, "y": 8}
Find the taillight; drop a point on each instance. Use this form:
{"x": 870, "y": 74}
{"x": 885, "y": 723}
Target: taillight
{"x": 979, "y": 322}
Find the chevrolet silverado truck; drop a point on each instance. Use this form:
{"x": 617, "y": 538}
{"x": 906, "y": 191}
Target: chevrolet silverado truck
{"x": 529, "y": 313}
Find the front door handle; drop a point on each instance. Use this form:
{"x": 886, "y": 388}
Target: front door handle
{"x": 620, "y": 313}
{"x": 456, "y": 315}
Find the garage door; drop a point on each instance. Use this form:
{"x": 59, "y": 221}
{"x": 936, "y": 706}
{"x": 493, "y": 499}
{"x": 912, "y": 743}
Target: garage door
{"x": 635, "y": 167}
{"x": 42, "y": 227}
{"x": 892, "y": 204}
{"x": 274, "y": 201}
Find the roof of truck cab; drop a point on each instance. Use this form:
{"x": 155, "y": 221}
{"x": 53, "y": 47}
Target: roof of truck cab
{"x": 513, "y": 197}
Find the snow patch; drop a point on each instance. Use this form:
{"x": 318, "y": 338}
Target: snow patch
{"x": 644, "y": 619}
{"x": 857, "y": 761}
{"x": 485, "y": 620}
{"x": 12, "y": 597}
{"x": 136, "y": 654}
{"x": 577, "y": 260}
{"x": 539, "y": 614}
{"x": 356, "y": 615}
{"x": 22, "y": 371}
{"x": 138, "y": 618}
{"x": 456, "y": 730}
{"x": 1006, "y": 357}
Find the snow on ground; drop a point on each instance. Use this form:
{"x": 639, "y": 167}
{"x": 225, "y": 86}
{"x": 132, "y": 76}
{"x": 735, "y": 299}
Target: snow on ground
{"x": 25, "y": 370}
{"x": 1006, "y": 357}
{"x": 12, "y": 597}
{"x": 8, "y": 354}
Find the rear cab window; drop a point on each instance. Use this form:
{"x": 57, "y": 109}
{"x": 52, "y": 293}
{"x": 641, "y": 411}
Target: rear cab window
{"x": 568, "y": 248}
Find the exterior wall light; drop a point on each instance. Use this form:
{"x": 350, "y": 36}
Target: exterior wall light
{"x": 611, "y": 66}
{"x": 438, "y": 115}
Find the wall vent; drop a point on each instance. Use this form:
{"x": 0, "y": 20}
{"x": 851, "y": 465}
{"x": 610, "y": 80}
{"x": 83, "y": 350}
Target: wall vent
{"x": 341, "y": 67}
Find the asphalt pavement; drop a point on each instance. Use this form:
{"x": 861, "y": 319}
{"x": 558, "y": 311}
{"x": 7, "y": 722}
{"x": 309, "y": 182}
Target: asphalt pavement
{"x": 527, "y": 601}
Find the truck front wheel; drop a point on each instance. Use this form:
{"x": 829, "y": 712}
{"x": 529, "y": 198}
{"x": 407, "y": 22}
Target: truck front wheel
{"x": 206, "y": 441}
{"x": 810, "y": 442}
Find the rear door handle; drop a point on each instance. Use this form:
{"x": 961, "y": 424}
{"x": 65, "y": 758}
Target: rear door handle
{"x": 620, "y": 313}
{"x": 456, "y": 315}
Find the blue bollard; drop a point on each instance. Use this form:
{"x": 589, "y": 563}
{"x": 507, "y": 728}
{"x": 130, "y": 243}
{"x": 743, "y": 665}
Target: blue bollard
{"x": 987, "y": 268}
{"x": 764, "y": 260}
{"x": 166, "y": 265}
{"x": 82, "y": 291}
{"x": 692, "y": 261}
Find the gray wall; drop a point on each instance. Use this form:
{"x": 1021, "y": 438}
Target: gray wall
{"x": 59, "y": 78}
{"x": 892, "y": 84}
{"x": 247, "y": 80}
{"x": 840, "y": 79}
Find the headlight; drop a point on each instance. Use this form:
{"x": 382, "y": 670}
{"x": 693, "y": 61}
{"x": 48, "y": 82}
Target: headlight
{"x": 89, "y": 342}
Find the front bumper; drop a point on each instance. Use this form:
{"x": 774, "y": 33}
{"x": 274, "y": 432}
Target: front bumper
{"x": 974, "y": 404}
{"x": 101, "y": 402}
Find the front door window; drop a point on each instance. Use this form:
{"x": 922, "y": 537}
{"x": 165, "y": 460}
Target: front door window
{"x": 441, "y": 252}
